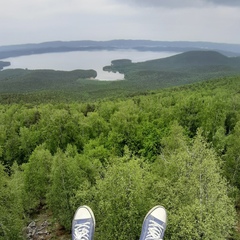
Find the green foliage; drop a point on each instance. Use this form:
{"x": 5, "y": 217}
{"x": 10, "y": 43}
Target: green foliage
{"x": 175, "y": 147}
{"x": 122, "y": 198}
{"x": 195, "y": 192}
{"x": 60, "y": 130}
{"x": 125, "y": 128}
{"x": 11, "y": 217}
{"x": 64, "y": 181}
{"x": 37, "y": 177}
{"x": 70, "y": 171}
{"x": 232, "y": 157}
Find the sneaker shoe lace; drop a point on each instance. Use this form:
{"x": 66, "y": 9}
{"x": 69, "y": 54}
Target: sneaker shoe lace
{"x": 81, "y": 231}
{"x": 155, "y": 231}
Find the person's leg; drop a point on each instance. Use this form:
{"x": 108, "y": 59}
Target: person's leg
{"x": 154, "y": 224}
{"x": 83, "y": 224}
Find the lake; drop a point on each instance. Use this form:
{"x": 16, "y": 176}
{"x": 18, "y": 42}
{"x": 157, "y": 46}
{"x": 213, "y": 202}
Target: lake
{"x": 84, "y": 60}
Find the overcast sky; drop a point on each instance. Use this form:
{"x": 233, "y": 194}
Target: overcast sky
{"x": 34, "y": 21}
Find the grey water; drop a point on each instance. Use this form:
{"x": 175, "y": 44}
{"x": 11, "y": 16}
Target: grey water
{"x": 96, "y": 60}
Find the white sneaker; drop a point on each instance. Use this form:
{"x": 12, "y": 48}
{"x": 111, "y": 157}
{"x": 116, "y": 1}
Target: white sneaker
{"x": 154, "y": 224}
{"x": 83, "y": 224}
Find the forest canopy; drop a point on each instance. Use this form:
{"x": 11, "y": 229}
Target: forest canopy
{"x": 176, "y": 147}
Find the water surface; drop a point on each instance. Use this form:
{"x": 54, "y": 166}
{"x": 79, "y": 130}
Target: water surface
{"x": 96, "y": 60}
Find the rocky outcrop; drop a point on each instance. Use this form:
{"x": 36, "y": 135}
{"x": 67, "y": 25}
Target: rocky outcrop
{"x": 38, "y": 231}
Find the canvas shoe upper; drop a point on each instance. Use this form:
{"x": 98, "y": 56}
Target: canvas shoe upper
{"x": 83, "y": 224}
{"x": 154, "y": 224}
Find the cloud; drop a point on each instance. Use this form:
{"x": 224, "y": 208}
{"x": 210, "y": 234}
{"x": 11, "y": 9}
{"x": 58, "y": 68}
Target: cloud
{"x": 27, "y": 9}
{"x": 182, "y": 3}
{"x": 224, "y": 2}
{"x": 48, "y": 20}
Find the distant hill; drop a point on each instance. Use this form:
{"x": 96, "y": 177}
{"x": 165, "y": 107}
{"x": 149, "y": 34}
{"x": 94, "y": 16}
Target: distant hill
{"x": 192, "y": 58}
{"x": 140, "y": 45}
{"x": 176, "y": 70}
{"x": 184, "y": 61}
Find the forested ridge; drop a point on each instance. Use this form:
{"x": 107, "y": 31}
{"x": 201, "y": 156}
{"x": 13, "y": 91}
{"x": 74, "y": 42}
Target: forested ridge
{"x": 178, "y": 147}
{"x": 44, "y": 86}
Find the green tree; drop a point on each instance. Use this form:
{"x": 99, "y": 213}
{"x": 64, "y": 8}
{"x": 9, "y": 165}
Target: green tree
{"x": 151, "y": 140}
{"x": 59, "y": 127}
{"x": 188, "y": 114}
{"x": 125, "y": 125}
{"x": 121, "y": 200}
{"x": 96, "y": 124}
{"x": 11, "y": 217}
{"x": 29, "y": 139}
{"x": 194, "y": 192}
{"x": 70, "y": 172}
{"x": 232, "y": 157}
{"x": 36, "y": 177}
